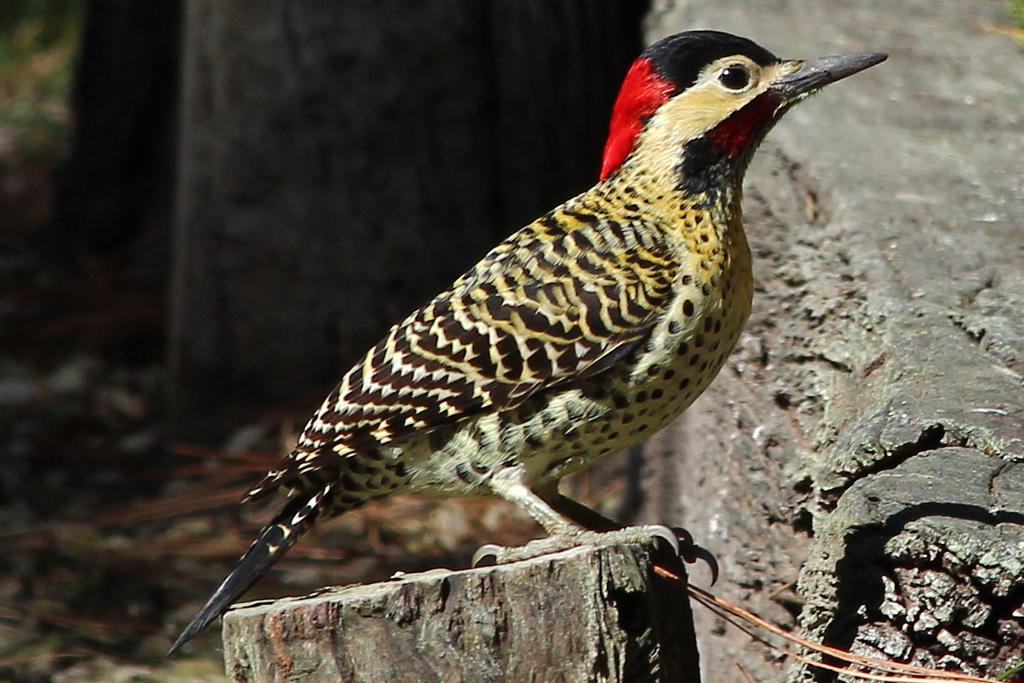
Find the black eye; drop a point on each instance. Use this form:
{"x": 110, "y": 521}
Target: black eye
{"x": 734, "y": 77}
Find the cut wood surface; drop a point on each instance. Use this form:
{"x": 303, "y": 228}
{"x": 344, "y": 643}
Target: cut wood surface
{"x": 588, "y": 613}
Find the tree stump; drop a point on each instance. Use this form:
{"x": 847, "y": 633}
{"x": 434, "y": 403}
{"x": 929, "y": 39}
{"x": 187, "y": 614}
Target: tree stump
{"x": 587, "y": 613}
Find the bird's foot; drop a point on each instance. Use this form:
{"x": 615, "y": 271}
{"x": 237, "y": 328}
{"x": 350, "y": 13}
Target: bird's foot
{"x": 690, "y": 552}
{"x": 679, "y": 541}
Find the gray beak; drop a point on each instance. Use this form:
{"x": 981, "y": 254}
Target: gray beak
{"x": 817, "y": 73}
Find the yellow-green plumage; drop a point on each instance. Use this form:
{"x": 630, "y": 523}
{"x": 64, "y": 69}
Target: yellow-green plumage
{"x": 581, "y": 334}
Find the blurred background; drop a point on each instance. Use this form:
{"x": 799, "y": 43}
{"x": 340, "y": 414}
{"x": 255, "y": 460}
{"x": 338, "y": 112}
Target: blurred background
{"x": 207, "y": 209}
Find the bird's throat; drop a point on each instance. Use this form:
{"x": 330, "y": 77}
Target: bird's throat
{"x": 713, "y": 165}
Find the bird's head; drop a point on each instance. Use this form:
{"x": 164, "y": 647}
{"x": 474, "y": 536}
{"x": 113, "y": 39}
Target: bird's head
{"x": 700, "y": 102}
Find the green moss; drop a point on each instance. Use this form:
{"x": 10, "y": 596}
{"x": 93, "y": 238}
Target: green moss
{"x": 38, "y": 42}
{"x": 1016, "y": 11}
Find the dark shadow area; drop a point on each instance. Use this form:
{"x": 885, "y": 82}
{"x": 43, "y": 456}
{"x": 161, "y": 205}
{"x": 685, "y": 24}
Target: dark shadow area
{"x": 859, "y": 576}
{"x": 116, "y": 186}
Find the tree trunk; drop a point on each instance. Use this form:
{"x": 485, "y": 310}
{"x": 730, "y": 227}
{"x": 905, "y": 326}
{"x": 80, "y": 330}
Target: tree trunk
{"x": 340, "y": 163}
{"x": 589, "y": 613}
{"x": 865, "y": 438}
{"x": 116, "y": 186}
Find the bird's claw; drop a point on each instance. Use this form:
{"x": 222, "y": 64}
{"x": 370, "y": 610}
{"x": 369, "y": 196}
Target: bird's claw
{"x": 679, "y": 540}
{"x": 690, "y": 552}
{"x": 701, "y": 553}
{"x": 670, "y": 536}
{"x": 485, "y": 551}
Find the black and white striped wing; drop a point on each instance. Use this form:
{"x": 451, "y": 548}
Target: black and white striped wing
{"x": 536, "y": 314}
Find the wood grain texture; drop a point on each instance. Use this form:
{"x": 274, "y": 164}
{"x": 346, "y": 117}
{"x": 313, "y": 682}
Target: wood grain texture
{"x": 589, "y": 613}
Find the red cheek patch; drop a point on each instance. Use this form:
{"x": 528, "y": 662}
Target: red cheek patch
{"x": 740, "y": 129}
{"x": 642, "y": 92}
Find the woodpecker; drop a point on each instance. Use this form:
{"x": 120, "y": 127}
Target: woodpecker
{"x": 581, "y": 334}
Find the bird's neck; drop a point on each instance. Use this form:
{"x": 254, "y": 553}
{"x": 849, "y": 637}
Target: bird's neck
{"x": 686, "y": 198}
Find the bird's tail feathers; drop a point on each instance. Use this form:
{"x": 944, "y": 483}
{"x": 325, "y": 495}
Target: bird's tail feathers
{"x": 272, "y": 543}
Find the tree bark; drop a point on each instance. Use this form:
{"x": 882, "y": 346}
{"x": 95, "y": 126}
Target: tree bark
{"x": 116, "y": 186}
{"x": 865, "y": 441}
{"x": 341, "y": 163}
{"x": 589, "y": 613}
